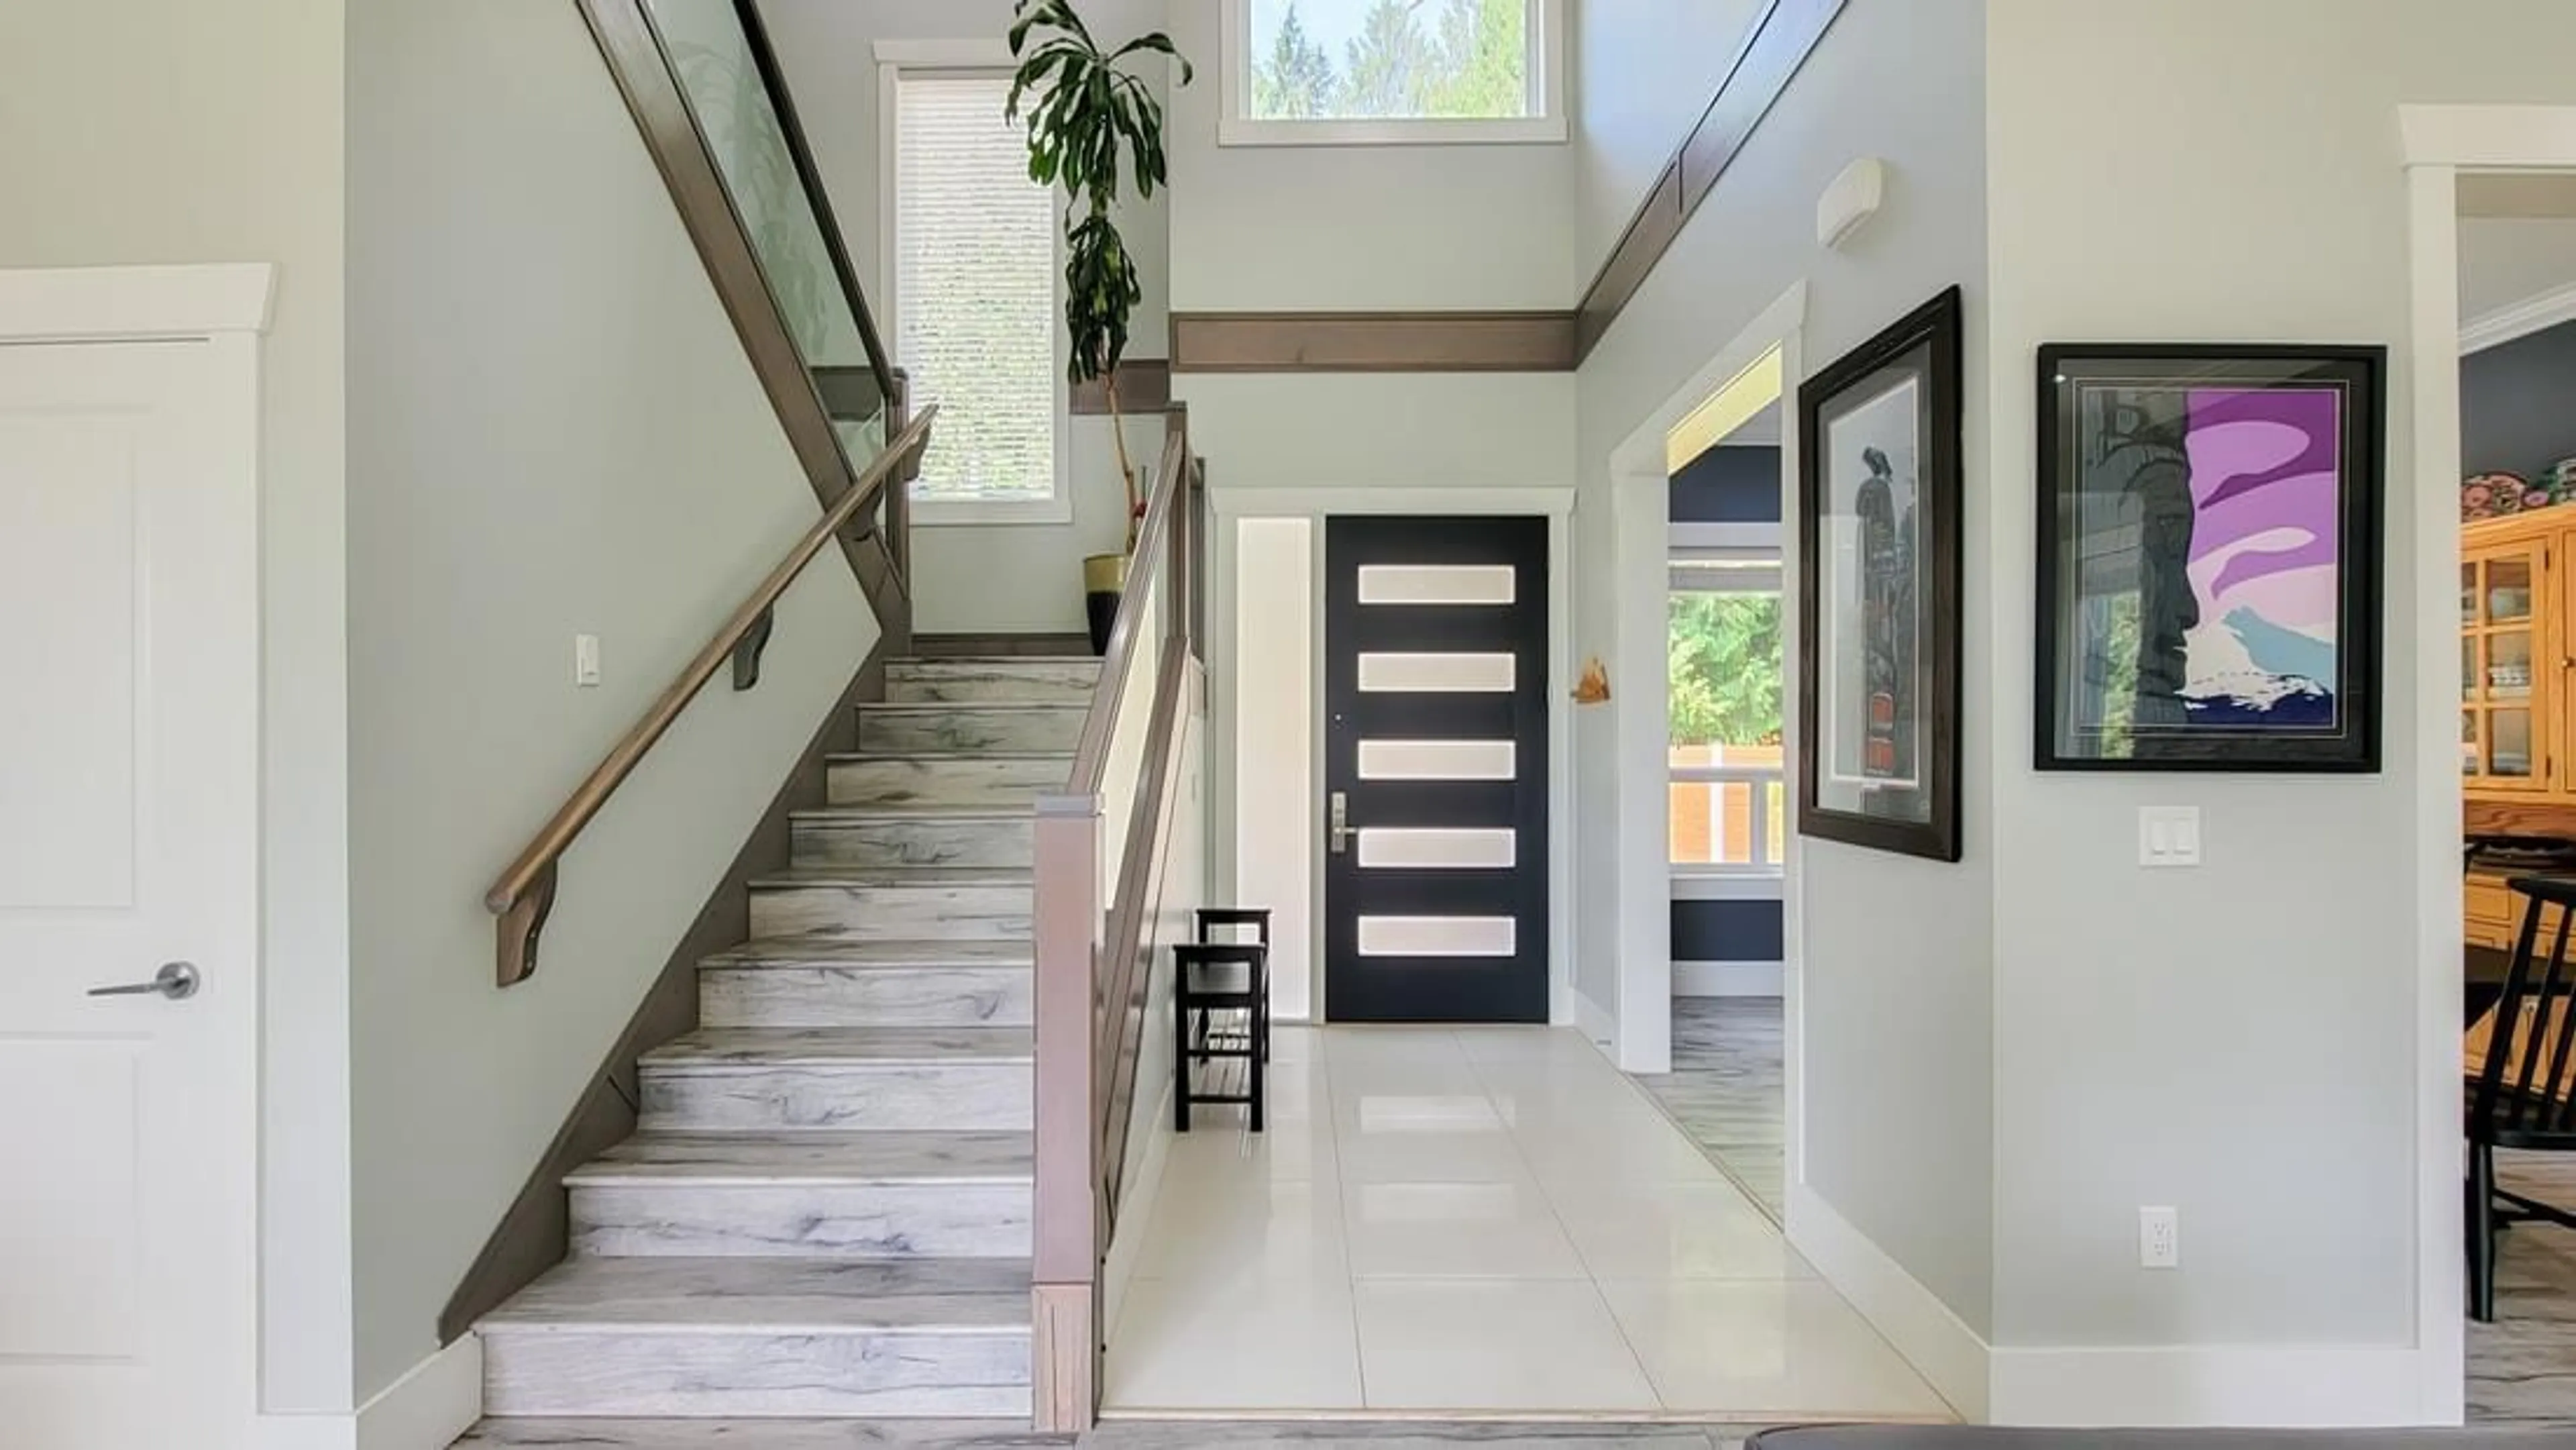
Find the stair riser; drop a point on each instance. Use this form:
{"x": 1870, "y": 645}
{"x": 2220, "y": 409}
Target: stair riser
{"x": 821, "y": 1221}
{"x": 1004, "y": 843}
{"x": 894, "y": 913}
{"x": 755, "y": 1374}
{"x": 1068, "y": 683}
{"x": 958, "y": 781}
{"x": 972, "y": 729}
{"x": 853, "y": 1096}
{"x": 845, "y": 997}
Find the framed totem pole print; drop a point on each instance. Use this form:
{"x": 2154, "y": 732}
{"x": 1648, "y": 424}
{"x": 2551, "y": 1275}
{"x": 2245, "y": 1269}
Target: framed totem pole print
{"x": 1879, "y": 540}
{"x": 2209, "y": 554}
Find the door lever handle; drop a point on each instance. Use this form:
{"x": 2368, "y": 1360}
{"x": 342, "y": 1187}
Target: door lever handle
{"x": 177, "y": 981}
{"x": 1338, "y": 822}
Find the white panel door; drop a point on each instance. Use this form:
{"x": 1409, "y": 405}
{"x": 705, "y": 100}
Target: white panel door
{"x": 128, "y": 839}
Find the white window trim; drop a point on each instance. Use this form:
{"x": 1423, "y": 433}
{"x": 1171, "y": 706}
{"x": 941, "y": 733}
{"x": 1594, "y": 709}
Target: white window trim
{"x": 894, "y": 59}
{"x": 1548, "y": 127}
{"x": 1702, "y": 541}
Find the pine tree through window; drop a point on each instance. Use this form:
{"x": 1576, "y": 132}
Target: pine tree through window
{"x": 1310, "y": 71}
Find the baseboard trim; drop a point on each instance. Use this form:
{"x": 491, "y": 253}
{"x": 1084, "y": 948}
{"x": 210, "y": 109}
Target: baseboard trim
{"x": 1943, "y": 1349}
{"x": 2250, "y": 1386}
{"x": 1595, "y": 1022}
{"x": 434, "y": 1403}
{"x": 1726, "y": 979}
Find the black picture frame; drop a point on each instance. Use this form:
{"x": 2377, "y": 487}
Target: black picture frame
{"x": 1878, "y": 589}
{"x": 2184, "y": 491}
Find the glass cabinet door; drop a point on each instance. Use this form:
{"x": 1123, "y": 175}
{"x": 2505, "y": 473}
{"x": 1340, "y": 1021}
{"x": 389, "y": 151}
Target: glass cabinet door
{"x": 2502, "y": 727}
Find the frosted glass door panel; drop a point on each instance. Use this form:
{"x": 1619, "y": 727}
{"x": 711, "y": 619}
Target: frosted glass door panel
{"x": 1438, "y": 936}
{"x": 1437, "y": 850}
{"x": 1437, "y": 584}
{"x": 1436, "y": 759}
{"x": 1437, "y": 674}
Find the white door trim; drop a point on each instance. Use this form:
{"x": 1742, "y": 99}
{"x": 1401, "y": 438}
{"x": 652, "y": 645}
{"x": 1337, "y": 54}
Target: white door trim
{"x": 1642, "y": 548}
{"x": 1317, "y": 503}
{"x": 2438, "y": 143}
{"x": 134, "y": 304}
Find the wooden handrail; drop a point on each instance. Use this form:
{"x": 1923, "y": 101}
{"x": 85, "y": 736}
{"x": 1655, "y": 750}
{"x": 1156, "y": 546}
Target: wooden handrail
{"x": 1153, "y": 544}
{"x": 525, "y": 893}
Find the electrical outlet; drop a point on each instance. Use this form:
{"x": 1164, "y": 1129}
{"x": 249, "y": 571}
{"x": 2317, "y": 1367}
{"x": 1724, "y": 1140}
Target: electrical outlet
{"x": 2159, "y": 1238}
{"x": 585, "y": 660}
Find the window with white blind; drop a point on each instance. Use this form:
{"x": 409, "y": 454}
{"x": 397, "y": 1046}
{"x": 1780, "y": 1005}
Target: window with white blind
{"x": 973, "y": 277}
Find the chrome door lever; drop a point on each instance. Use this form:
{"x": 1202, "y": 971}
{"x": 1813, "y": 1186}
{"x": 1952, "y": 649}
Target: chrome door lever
{"x": 1338, "y": 822}
{"x": 177, "y": 981}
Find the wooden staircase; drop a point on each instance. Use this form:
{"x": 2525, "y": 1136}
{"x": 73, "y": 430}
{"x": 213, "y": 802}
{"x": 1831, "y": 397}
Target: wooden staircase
{"x": 826, "y": 1211}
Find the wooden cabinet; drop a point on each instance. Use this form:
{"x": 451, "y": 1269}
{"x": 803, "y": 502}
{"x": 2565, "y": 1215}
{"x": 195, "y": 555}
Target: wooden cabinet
{"x": 2517, "y": 602}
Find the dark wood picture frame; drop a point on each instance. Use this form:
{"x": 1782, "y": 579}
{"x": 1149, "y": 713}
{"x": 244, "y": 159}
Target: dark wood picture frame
{"x": 1923, "y": 347}
{"x": 2358, "y": 374}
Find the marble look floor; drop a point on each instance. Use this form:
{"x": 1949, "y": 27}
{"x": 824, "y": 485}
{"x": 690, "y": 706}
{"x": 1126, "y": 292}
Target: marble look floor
{"x": 2522, "y": 1368}
{"x": 1487, "y": 1221}
{"x": 1114, "y": 1435}
{"x": 1726, "y": 1089}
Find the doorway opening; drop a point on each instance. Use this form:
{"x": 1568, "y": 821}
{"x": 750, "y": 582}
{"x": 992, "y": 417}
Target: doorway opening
{"x": 2516, "y": 439}
{"x": 1726, "y": 804}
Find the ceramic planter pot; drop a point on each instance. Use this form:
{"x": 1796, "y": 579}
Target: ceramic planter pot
{"x": 1104, "y": 578}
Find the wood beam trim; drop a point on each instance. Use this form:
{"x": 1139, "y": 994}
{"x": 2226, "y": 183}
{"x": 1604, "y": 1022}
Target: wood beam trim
{"x": 1144, "y": 386}
{"x": 1777, "y": 46}
{"x": 1372, "y": 342}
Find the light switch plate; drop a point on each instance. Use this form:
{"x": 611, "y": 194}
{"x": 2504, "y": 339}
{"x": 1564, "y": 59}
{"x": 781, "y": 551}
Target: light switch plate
{"x": 2168, "y": 835}
{"x": 585, "y": 660}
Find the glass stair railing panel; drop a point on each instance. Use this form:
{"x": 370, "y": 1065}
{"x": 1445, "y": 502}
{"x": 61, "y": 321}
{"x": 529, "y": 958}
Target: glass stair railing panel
{"x": 726, "y": 70}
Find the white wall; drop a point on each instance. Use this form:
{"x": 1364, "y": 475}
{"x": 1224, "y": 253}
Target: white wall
{"x": 2505, "y": 260}
{"x": 1644, "y": 70}
{"x": 175, "y": 131}
{"x": 552, "y": 429}
{"x": 1897, "y": 952}
{"x": 2237, "y": 1041}
{"x": 1274, "y": 731}
{"x": 973, "y": 578}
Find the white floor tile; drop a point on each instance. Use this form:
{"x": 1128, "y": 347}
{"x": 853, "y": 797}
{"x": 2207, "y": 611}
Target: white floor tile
{"x": 1281, "y": 1345}
{"x": 1789, "y": 1349}
{"x": 1494, "y": 1345}
{"x": 1288, "y": 1151}
{"x": 1669, "y": 1231}
{"x": 1456, "y": 1230}
{"x": 1218, "y": 1232}
{"x": 1430, "y": 1155}
{"x": 1617, "y": 1149}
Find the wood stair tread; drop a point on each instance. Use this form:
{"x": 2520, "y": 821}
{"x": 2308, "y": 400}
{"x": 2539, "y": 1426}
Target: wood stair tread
{"x": 678, "y": 1434}
{"x": 720, "y": 1047}
{"x": 911, "y": 811}
{"x": 788, "y": 1158}
{"x": 768, "y": 1296}
{"x": 815, "y": 949}
{"x": 796, "y": 876}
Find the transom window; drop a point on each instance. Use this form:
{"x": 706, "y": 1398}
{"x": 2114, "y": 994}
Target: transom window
{"x": 1356, "y": 72}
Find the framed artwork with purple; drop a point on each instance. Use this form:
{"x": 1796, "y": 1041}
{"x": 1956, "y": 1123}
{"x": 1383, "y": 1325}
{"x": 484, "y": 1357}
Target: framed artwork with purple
{"x": 1879, "y": 536}
{"x": 2209, "y": 557}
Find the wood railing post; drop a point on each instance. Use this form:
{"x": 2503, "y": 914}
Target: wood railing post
{"x": 1065, "y": 1269}
{"x": 898, "y": 499}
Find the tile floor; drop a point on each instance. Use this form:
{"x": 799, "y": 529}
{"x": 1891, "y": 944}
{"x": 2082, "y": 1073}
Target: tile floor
{"x": 1485, "y": 1221}
{"x": 1727, "y": 1088}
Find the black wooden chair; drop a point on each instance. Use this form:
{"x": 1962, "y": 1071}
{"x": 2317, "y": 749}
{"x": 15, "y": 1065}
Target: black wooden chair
{"x": 1209, "y": 978}
{"x": 2524, "y": 1097}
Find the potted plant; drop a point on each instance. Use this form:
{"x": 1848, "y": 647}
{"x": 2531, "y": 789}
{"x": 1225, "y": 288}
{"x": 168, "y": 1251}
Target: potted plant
{"x": 1085, "y": 106}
